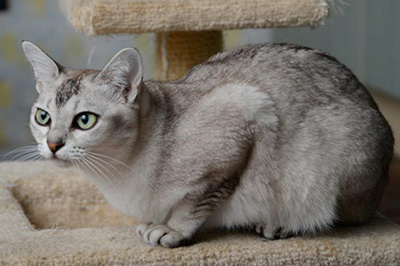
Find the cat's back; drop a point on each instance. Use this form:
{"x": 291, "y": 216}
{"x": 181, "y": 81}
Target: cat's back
{"x": 298, "y": 80}
{"x": 286, "y": 69}
{"x": 314, "y": 99}
{"x": 302, "y": 83}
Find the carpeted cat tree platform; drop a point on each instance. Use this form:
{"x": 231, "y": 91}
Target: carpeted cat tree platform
{"x": 52, "y": 216}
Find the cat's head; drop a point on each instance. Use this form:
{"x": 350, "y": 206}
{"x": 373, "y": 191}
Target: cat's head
{"x": 84, "y": 112}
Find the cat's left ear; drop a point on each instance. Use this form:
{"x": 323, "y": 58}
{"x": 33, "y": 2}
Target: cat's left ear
{"x": 124, "y": 72}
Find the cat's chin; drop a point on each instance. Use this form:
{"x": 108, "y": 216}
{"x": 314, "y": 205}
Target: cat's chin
{"x": 61, "y": 162}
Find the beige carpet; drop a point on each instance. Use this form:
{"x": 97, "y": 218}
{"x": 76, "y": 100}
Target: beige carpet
{"x": 95, "y": 17}
{"x": 75, "y": 226}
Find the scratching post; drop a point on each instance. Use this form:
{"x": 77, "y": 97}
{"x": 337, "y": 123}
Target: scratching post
{"x": 177, "y": 52}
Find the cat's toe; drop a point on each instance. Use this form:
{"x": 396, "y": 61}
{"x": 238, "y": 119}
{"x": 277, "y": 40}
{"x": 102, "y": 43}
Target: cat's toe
{"x": 173, "y": 239}
{"x": 156, "y": 233}
{"x": 162, "y": 235}
{"x": 153, "y": 233}
{"x": 283, "y": 234}
{"x": 141, "y": 228}
{"x": 277, "y": 233}
{"x": 260, "y": 229}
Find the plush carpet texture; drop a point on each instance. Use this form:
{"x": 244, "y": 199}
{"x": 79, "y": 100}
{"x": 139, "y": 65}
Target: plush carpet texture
{"x": 52, "y": 216}
{"x": 95, "y": 17}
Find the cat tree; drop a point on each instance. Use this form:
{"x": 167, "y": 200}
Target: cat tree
{"x": 189, "y": 31}
{"x": 52, "y": 216}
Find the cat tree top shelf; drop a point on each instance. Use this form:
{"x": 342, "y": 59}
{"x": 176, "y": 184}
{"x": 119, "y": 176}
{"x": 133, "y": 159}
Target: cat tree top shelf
{"x": 52, "y": 216}
{"x": 96, "y": 17}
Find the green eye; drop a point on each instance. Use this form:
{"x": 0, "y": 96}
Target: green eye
{"x": 85, "y": 120}
{"x": 42, "y": 117}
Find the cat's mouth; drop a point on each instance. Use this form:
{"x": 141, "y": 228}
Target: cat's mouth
{"x": 61, "y": 162}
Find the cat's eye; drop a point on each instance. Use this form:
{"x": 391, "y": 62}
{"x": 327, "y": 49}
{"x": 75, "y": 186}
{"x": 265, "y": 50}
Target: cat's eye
{"x": 85, "y": 120}
{"x": 42, "y": 117}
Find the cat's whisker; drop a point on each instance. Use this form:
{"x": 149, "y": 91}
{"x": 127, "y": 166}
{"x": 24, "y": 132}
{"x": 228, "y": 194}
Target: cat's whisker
{"x": 34, "y": 158}
{"x": 114, "y": 181}
{"x": 37, "y": 158}
{"x": 81, "y": 167}
{"x": 22, "y": 154}
{"x": 76, "y": 166}
{"x": 87, "y": 167}
{"x": 111, "y": 158}
{"x": 97, "y": 170}
{"x": 28, "y": 157}
{"x": 21, "y": 149}
{"x": 97, "y": 156}
{"x": 100, "y": 160}
{"x": 98, "y": 163}
{"x": 7, "y": 154}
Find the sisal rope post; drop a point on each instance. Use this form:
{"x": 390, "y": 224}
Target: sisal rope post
{"x": 177, "y": 52}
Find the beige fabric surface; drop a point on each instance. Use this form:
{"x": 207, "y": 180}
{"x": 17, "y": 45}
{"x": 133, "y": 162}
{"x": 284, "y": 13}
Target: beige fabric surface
{"x": 95, "y": 17}
{"x": 73, "y": 225}
{"x": 177, "y": 52}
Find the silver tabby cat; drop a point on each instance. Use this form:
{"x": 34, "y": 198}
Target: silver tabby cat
{"x": 280, "y": 138}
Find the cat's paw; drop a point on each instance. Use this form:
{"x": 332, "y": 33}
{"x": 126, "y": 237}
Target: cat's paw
{"x": 161, "y": 235}
{"x": 272, "y": 234}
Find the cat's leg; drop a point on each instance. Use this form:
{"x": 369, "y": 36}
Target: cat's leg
{"x": 204, "y": 168}
{"x": 188, "y": 216}
{"x": 179, "y": 229}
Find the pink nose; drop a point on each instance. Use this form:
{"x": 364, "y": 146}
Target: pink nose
{"x": 54, "y": 147}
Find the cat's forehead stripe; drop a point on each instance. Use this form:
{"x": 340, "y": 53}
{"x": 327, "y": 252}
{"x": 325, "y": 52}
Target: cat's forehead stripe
{"x": 71, "y": 86}
{"x": 67, "y": 89}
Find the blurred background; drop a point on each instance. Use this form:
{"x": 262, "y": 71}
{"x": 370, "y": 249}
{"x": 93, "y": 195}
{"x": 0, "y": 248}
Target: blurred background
{"x": 363, "y": 34}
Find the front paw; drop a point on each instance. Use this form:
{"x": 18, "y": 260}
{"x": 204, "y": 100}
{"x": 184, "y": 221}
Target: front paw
{"x": 161, "y": 235}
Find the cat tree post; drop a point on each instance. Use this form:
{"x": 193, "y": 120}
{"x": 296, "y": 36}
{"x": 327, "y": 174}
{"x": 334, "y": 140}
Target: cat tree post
{"x": 177, "y": 52}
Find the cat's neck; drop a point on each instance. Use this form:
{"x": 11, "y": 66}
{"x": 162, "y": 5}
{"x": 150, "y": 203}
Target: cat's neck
{"x": 148, "y": 144}
{"x": 137, "y": 158}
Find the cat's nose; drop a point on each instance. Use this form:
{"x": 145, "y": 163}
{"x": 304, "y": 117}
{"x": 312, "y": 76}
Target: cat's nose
{"x": 55, "y": 146}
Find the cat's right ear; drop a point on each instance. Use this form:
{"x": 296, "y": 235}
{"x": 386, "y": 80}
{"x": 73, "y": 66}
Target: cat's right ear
{"x": 45, "y": 68}
{"x": 124, "y": 72}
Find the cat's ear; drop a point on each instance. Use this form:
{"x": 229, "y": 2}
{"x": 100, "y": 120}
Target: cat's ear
{"x": 124, "y": 72}
{"x": 45, "y": 68}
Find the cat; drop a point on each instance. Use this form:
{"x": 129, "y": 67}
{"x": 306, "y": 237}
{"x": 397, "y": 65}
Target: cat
{"x": 277, "y": 138}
